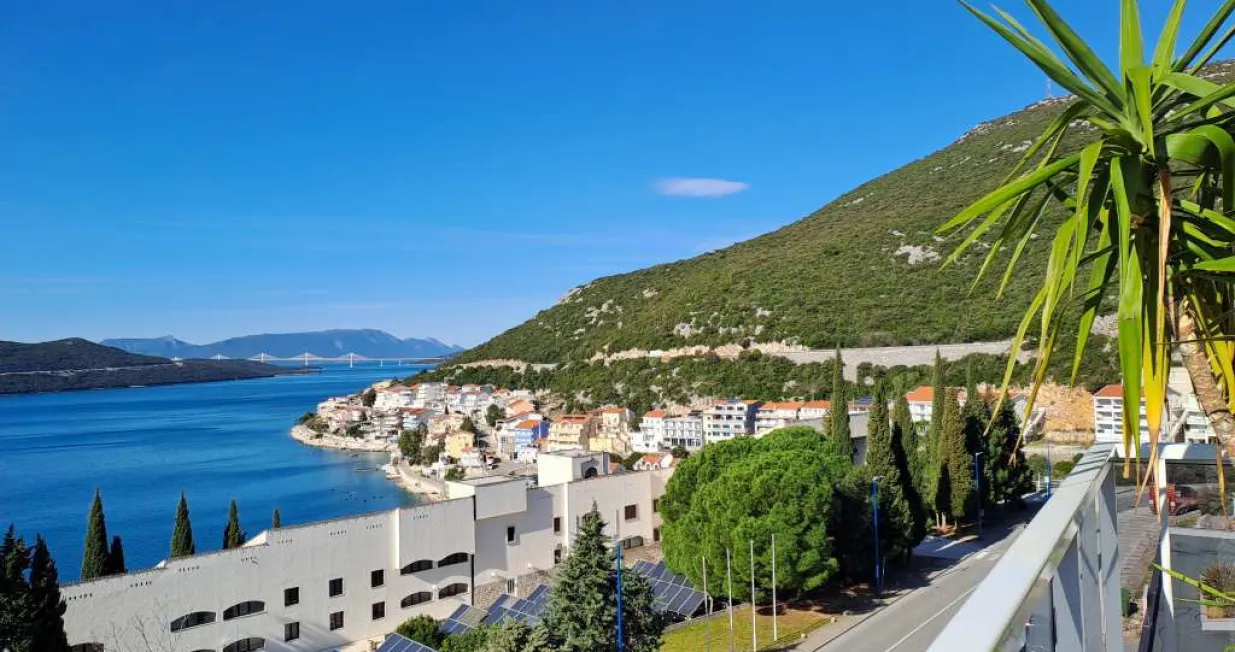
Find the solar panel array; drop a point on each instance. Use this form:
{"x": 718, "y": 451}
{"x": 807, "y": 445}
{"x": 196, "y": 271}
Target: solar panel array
{"x": 525, "y": 610}
{"x": 671, "y": 592}
{"x": 463, "y": 619}
{"x": 397, "y": 643}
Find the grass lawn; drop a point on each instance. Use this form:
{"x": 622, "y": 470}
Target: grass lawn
{"x": 693, "y": 637}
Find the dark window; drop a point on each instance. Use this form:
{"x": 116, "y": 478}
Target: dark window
{"x": 510, "y": 534}
{"x": 192, "y": 620}
{"x": 655, "y": 505}
{"x": 417, "y": 566}
{"x": 244, "y": 609}
{"x": 291, "y": 596}
{"x": 557, "y": 524}
{"x": 336, "y": 620}
{"x": 377, "y": 578}
{"x": 457, "y": 558}
{"x": 656, "y": 534}
{"x": 632, "y": 542}
{"x": 336, "y": 586}
{"x": 557, "y": 556}
{"x": 87, "y": 647}
{"x": 245, "y": 645}
{"x": 379, "y": 610}
{"x": 632, "y": 512}
{"x": 452, "y": 589}
{"x": 291, "y": 631}
{"x": 414, "y": 599}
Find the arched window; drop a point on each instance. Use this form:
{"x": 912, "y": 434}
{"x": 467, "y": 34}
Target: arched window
{"x": 590, "y": 473}
{"x": 244, "y": 609}
{"x": 193, "y": 620}
{"x": 416, "y": 567}
{"x": 245, "y": 645}
{"x": 420, "y": 597}
{"x": 452, "y": 589}
{"x": 86, "y": 647}
{"x": 457, "y": 558}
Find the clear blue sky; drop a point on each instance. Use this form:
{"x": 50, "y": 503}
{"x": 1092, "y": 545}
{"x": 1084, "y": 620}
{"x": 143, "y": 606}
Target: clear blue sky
{"x": 446, "y": 168}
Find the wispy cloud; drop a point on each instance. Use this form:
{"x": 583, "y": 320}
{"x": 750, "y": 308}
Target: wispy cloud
{"x": 698, "y": 187}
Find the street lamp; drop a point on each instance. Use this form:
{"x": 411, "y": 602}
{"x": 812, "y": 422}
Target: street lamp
{"x": 977, "y": 481}
{"x": 878, "y": 566}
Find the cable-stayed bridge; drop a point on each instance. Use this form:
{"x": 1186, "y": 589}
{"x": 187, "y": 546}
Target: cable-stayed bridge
{"x": 350, "y": 359}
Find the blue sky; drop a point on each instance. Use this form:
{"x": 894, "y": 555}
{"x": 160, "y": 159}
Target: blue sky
{"x": 447, "y": 168}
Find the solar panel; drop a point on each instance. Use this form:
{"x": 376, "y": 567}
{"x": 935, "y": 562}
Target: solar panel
{"x": 671, "y": 592}
{"x": 397, "y": 643}
{"x": 497, "y": 615}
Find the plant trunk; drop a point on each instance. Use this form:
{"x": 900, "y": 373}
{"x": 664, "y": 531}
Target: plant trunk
{"x": 1208, "y": 393}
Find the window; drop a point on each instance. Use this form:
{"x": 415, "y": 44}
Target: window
{"x": 379, "y": 610}
{"x": 336, "y": 587}
{"x": 656, "y": 534}
{"x": 557, "y": 524}
{"x": 291, "y": 596}
{"x": 655, "y": 505}
{"x": 420, "y": 597}
{"x": 245, "y": 645}
{"x": 632, "y": 512}
{"x": 192, "y": 620}
{"x": 244, "y": 609}
{"x": 291, "y": 631}
{"x": 510, "y": 534}
{"x": 417, "y": 566}
{"x": 377, "y": 578}
{"x": 336, "y": 620}
{"x": 87, "y": 647}
{"x": 457, "y": 558}
{"x": 452, "y": 589}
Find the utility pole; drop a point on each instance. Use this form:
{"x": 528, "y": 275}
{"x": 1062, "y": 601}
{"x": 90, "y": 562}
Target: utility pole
{"x": 875, "y": 505}
{"x": 977, "y": 481}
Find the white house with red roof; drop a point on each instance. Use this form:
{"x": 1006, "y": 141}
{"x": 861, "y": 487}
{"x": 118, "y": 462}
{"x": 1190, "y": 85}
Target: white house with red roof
{"x": 1108, "y": 405}
{"x": 771, "y": 416}
{"x": 650, "y": 436}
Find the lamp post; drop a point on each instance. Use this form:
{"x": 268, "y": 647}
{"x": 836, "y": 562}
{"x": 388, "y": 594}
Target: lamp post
{"x": 977, "y": 481}
{"x": 1049, "y": 474}
{"x": 875, "y": 505}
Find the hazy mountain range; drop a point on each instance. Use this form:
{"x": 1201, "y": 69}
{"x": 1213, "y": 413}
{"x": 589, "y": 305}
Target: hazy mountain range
{"x": 369, "y": 343}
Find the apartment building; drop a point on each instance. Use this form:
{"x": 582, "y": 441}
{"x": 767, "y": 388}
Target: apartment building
{"x": 325, "y": 585}
{"x": 729, "y": 418}
{"x": 651, "y": 433}
{"x": 571, "y": 432}
{"x": 685, "y": 431}
{"x": 393, "y": 397}
{"x": 814, "y": 410}
{"x": 771, "y": 416}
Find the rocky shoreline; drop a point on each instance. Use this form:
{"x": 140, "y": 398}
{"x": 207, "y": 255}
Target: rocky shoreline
{"x": 309, "y": 437}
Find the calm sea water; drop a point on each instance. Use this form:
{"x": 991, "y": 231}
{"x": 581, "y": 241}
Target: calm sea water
{"x": 213, "y": 441}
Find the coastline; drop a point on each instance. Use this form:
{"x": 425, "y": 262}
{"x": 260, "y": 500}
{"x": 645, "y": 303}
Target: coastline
{"x": 308, "y": 437}
{"x": 402, "y": 475}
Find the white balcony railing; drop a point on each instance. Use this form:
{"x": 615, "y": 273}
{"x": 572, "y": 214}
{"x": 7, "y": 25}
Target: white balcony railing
{"x": 1057, "y": 586}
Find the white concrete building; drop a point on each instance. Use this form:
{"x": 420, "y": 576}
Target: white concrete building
{"x": 685, "y": 431}
{"x": 1108, "y": 405}
{"x": 771, "y": 416}
{"x": 323, "y": 585}
{"x": 393, "y": 397}
{"x": 814, "y": 410}
{"x": 1185, "y": 407}
{"x": 729, "y": 418}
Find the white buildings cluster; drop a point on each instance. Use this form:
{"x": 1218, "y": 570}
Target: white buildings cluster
{"x": 324, "y": 585}
{"x": 1183, "y": 418}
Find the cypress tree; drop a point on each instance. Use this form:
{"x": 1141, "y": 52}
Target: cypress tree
{"x": 94, "y": 557}
{"x": 955, "y": 457}
{"x": 275, "y": 521}
{"x": 905, "y": 453}
{"x": 977, "y": 413}
{"x": 937, "y": 401}
{"x": 937, "y": 488}
{"x": 1005, "y": 473}
{"x": 15, "y": 601}
{"x": 838, "y": 422}
{"x": 233, "y": 536}
{"x": 182, "y": 533}
{"x": 47, "y": 607}
{"x": 895, "y": 513}
{"x": 115, "y": 558}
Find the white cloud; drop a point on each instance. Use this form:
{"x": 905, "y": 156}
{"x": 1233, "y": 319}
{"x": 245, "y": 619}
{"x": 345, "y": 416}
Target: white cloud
{"x": 698, "y": 187}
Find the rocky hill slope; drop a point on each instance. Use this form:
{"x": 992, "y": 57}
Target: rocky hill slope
{"x": 370, "y": 343}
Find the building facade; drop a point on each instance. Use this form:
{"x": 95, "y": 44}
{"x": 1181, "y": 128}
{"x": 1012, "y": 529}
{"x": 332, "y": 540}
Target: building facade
{"x": 571, "y": 432}
{"x": 771, "y": 416}
{"x": 729, "y": 418}
{"x": 685, "y": 431}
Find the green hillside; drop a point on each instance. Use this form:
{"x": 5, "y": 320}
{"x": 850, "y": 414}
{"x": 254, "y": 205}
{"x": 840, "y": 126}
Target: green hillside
{"x": 834, "y": 276}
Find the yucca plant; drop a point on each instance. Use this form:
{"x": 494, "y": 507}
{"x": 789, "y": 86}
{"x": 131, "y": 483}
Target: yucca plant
{"x": 1148, "y": 207}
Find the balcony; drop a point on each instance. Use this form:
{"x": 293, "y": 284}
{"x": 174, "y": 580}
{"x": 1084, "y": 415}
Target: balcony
{"x": 1058, "y": 586}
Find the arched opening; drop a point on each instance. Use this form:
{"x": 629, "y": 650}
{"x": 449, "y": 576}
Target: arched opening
{"x": 86, "y": 647}
{"x": 590, "y": 473}
{"x": 416, "y": 567}
{"x": 419, "y": 597}
{"x": 245, "y": 645}
{"x": 244, "y": 609}
{"x": 192, "y": 620}
{"x": 452, "y": 590}
{"x": 450, "y": 560}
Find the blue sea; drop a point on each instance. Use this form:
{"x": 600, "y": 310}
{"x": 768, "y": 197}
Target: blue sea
{"x": 214, "y": 441}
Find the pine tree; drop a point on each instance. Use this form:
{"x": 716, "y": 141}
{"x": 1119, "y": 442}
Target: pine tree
{"x": 938, "y": 489}
{"x": 1005, "y": 473}
{"x": 582, "y": 613}
{"x": 47, "y": 607}
{"x": 905, "y": 454}
{"x": 182, "y": 533}
{"x": 94, "y": 556}
{"x": 233, "y": 536}
{"x": 275, "y": 521}
{"x": 955, "y": 457}
{"x": 977, "y": 413}
{"x": 838, "y": 421}
{"x": 896, "y": 518}
{"x": 115, "y": 558}
{"x": 16, "y": 605}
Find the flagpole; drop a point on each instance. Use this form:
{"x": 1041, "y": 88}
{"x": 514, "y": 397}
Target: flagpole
{"x": 775, "y": 633}
{"x": 708, "y": 601}
{"x": 754, "y": 626}
{"x": 729, "y": 573}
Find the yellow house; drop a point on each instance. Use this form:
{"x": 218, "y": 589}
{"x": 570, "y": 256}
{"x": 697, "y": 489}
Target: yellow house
{"x": 457, "y": 441}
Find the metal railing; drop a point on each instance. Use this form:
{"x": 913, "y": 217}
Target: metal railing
{"x": 1057, "y": 586}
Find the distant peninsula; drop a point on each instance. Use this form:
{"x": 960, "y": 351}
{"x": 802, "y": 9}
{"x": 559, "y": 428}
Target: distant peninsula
{"x": 73, "y": 364}
{"x": 365, "y": 342}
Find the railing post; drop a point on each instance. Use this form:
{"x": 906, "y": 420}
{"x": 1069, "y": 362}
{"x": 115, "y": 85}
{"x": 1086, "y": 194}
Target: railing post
{"x": 1066, "y": 600}
{"x": 1110, "y": 578}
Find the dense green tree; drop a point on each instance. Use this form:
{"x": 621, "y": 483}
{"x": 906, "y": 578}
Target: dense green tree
{"x": 977, "y": 414}
{"x": 94, "y": 556}
{"x": 905, "y": 440}
{"x": 455, "y": 474}
{"x": 905, "y": 431}
{"x": 47, "y": 607}
{"x": 838, "y": 421}
{"x": 468, "y": 425}
{"x": 956, "y": 459}
{"x": 115, "y": 558}
{"x": 582, "y": 612}
{"x": 515, "y": 636}
{"x": 368, "y": 397}
{"x": 1006, "y": 474}
{"x": 182, "y": 533}
{"x": 493, "y": 414}
{"x": 885, "y": 460}
{"x": 422, "y": 629}
{"x": 935, "y": 478}
{"x": 411, "y": 444}
{"x": 16, "y": 606}
{"x": 233, "y": 536}
{"x": 679, "y": 453}
{"x": 276, "y": 521}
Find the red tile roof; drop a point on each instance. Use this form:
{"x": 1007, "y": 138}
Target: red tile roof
{"x": 787, "y": 405}
{"x": 923, "y": 394}
{"x": 1111, "y": 391}
{"x": 528, "y": 425}
{"x": 655, "y": 414}
{"x": 826, "y": 405}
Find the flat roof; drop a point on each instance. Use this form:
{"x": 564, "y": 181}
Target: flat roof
{"x": 489, "y": 479}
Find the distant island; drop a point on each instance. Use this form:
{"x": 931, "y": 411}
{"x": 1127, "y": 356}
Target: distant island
{"x": 368, "y": 343}
{"x": 75, "y": 363}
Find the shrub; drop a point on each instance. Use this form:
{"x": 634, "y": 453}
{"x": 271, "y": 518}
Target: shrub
{"x": 1220, "y": 576}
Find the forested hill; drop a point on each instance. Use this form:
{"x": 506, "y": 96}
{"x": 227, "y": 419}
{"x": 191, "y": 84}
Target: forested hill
{"x": 67, "y": 354}
{"x": 863, "y": 270}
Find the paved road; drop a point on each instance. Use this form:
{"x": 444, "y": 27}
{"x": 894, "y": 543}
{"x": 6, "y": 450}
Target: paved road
{"x": 894, "y": 355}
